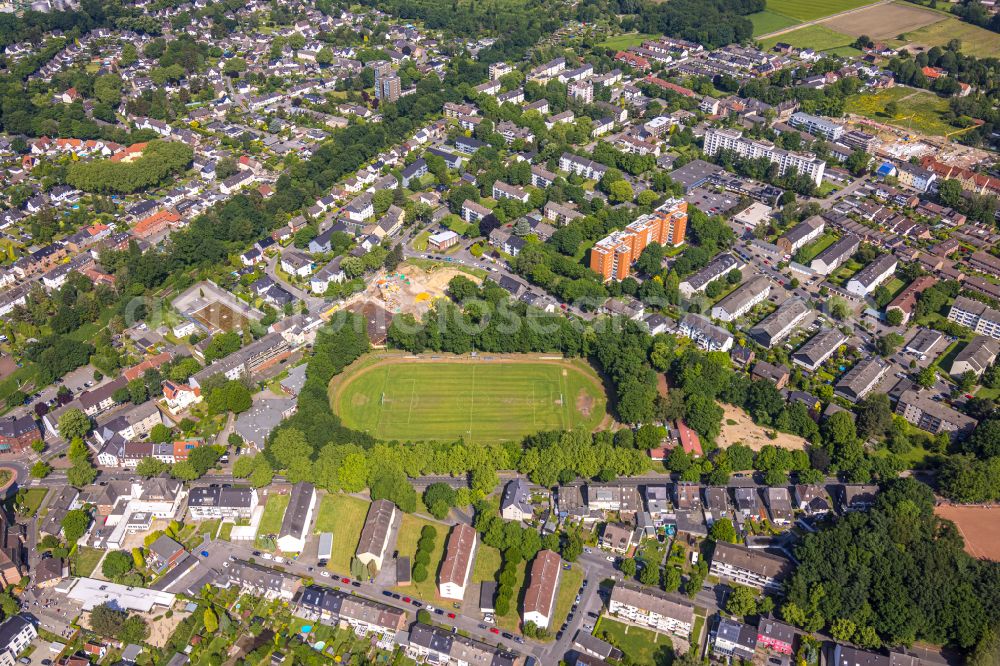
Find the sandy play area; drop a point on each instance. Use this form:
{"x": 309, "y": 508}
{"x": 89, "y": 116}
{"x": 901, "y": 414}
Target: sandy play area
{"x": 409, "y": 289}
{"x": 751, "y": 434}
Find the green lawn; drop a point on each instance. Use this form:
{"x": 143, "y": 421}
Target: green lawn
{"x": 976, "y": 41}
{"x": 496, "y": 400}
{"x": 808, "y": 10}
{"x": 622, "y": 42}
{"x": 420, "y": 242}
{"x": 809, "y": 251}
{"x": 641, "y": 646}
{"x": 85, "y": 560}
{"x": 919, "y": 110}
{"x": 767, "y": 22}
{"x": 343, "y": 516}
{"x": 33, "y": 499}
{"x": 270, "y": 522}
{"x": 569, "y": 584}
{"x": 817, "y": 37}
{"x": 406, "y": 544}
{"x": 487, "y": 565}
{"x": 895, "y": 285}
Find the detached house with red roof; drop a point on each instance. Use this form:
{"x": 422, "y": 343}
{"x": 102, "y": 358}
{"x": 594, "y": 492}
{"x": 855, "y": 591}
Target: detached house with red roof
{"x": 180, "y": 396}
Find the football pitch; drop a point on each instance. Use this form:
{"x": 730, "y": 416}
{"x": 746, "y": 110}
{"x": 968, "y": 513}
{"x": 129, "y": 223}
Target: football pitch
{"x": 479, "y": 400}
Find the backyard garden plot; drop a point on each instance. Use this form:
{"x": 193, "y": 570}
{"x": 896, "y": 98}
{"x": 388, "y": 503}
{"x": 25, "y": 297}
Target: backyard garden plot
{"x": 480, "y": 399}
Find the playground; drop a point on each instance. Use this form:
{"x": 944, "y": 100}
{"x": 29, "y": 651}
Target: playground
{"x": 409, "y": 289}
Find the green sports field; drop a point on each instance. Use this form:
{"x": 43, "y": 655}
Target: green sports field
{"x": 480, "y": 400}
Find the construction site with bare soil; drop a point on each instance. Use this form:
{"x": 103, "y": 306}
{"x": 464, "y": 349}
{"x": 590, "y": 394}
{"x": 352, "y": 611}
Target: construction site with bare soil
{"x": 410, "y": 289}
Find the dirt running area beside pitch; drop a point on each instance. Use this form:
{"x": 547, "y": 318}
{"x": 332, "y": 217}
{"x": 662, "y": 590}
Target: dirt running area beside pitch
{"x": 745, "y": 431}
{"x": 883, "y": 21}
{"x": 979, "y": 525}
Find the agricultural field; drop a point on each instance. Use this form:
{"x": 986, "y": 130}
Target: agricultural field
{"x": 884, "y": 21}
{"x": 810, "y": 10}
{"x": 976, "y": 41}
{"x": 817, "y": 37}
{"x": 919, "y": 110}
{"x": 397, "y": 397}
{"x": 766, "y": 22}
{"x": 343, "y": 516}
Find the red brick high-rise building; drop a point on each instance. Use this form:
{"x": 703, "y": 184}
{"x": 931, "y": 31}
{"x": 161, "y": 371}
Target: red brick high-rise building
{"x": 612, "y": 257}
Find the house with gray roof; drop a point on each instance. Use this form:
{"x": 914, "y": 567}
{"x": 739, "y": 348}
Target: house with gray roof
{"x": 516, "y": 501}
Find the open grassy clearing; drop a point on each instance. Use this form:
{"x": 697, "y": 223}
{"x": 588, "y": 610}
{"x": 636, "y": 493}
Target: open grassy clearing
{"x": 919, "y": 110}
{"x": 569, "y": 584}
{"x": 809, "y": 251}
{"x": 84, "y": 561}
{"x": 621, "y": 42}
{"x": 406, "y": 544}
{"x": 976, "y": 41}
{"x": 343, "y": 516}
{"x": 270, "y": 522}
{"x": 810, "y": 10}
{"x": 817, "y": 37}
{"x": 481, "y": 400}
{"x": 768, "y": 21}
{"x": 487, "y": 565}
{"x": 33, "y": 499}
{"x": 641, "y": 646}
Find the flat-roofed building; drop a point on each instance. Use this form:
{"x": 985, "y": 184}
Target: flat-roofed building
{"x": 779, "y": 324}
{"x": 834, "y": 256}
{"x": 818, "y": 348}
{"x": 456, "y": 566}
{"x": 922, "y": 344}
{"x": 210, "y": 502}
{"x": 817, "y": 126}
{"x": 653, "y": 608}
{"x": 612, "y": 257}
{"x": 740, "y": 301}
{"x": 932, "y": 416}
{"x": 862, "y": 378}
{"x": 754, "y": 568}
{"x": 376, "y": 532}
{"x": 864, "y": 281}
{"x": 540, "y": 597}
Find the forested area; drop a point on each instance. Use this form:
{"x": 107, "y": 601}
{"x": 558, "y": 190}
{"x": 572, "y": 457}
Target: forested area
{"x": 160, "y": 161}
{"x": 894, "y": 575}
